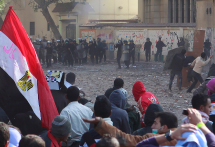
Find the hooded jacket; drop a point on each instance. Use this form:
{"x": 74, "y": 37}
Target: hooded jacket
{"x": 143, "y": 98}
{"x": 119, "y": 116}
{"x": 210, "y": 86}
{"x": 149, "y": 119}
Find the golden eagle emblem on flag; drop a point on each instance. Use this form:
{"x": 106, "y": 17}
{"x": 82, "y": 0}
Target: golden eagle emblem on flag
{"x": 24, "y": 83}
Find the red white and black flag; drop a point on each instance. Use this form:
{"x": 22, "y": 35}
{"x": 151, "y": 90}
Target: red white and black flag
{"x": 23, "y": 86}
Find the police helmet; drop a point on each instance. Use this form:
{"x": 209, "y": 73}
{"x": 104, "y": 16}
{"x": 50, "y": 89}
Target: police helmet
{"x": 74, "y": 40}
{"x": 80, "y": 40}
{"x": 58, "y": 40}
{"x": 103, "y": 40}
{"x": 207, "y": 39}
{"x": 66, "y": 40}
{"x": 147, "y": 38}
{"x": 48, "y": 42}
{"x": 40, "y": 40}
{"x": 125, "y": 41}
{"x": 91, "y": 41}
{"x": 99, "y": 38}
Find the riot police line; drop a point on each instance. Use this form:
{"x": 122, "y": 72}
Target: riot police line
{"x": 69, "y": 53}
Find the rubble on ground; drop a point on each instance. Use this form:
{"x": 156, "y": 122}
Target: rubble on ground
{"x": 96, "y": 79}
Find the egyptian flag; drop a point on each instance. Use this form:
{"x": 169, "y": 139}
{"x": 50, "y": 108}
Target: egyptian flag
{"x": 23, "y": 86}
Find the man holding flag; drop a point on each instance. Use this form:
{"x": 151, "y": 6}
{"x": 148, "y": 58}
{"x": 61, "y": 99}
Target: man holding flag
{"x": 23, "y": 86}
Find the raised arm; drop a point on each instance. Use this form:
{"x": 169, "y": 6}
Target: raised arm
{"x": 102, "y": 128}
{"x": 207, "y": 61}
{"x": 196, "y": 119}
{"x": 175, "y": 135}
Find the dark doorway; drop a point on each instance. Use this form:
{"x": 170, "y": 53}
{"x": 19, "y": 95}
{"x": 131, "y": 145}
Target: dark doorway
{"x": 71, "y": 31}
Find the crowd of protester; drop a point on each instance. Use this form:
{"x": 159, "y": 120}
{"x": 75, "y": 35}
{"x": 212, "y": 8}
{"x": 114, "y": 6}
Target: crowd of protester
{"x": 112, "y": 122}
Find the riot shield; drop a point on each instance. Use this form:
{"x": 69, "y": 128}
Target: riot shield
{"x": 80, "y": 49}
{"x": 125, "y": 55}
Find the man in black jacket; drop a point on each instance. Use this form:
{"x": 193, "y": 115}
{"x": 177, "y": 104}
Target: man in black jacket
{"x": 59, "y": 48}
{"x": 104, "y": 47}
{"x": 91, "y": 51}
{"x": 49, "y": 54}
{"x": 147, "y": 49}
{"x": 176, "y": 66}
{"x": 132, "y": 51}
{"x": 159, "y": 47}
{"x": 207, "y": 48}
{"x": 99, "y": 48}
{"x": 68, "y": 53}
{"x": 119, "y": 45}
{"x": 85, "y": 50}
{"x": 102, "y": 108}
{"x": 54, "y": 50}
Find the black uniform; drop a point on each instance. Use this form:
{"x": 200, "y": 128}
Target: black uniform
{"x": 68, "y": 54}
{"x": 92, "y": 52}
{"x": 60, "y": 52}
{"x": 99, "y": 48}
{"x": 119, "y": 53}
{"x": 147, "y": 49}
{"x": 49, "y": 56}
{"x": 86, "y": 51}
{"x": 75, "y": 55}
{"x": 64, "y": 52}
{"x": 42, "y": 53}
{"x": 54, "y": 48}
{"x": 103, "y": 53}
{"x": 81, "y": 50}
{"x": 159, "y": 47}
{"x": 207, "y": 48}
{"x": 38, "y": 48}
{"x": 132, "y": 52}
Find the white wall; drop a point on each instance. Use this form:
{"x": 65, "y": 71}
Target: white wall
{"x": 169, "y": 36}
